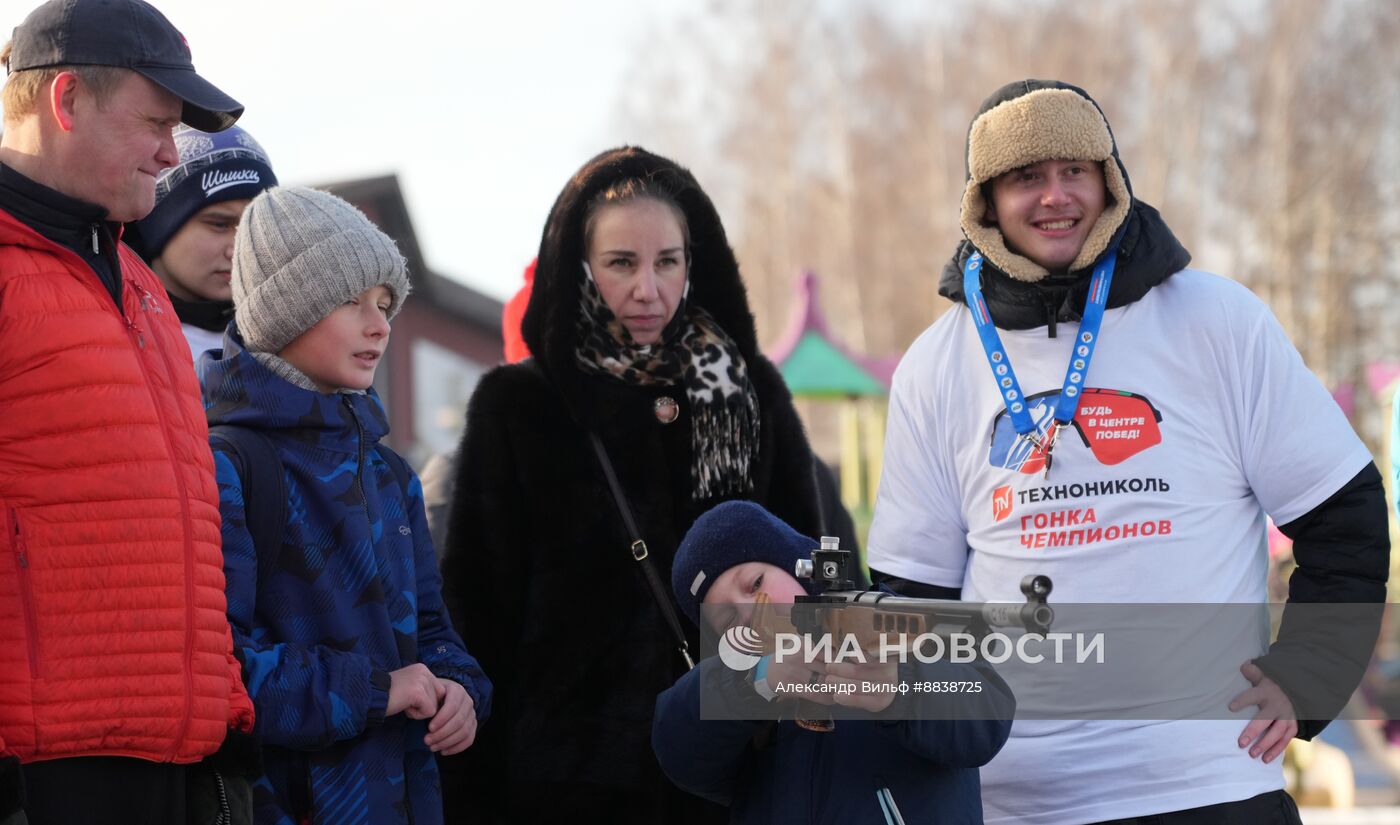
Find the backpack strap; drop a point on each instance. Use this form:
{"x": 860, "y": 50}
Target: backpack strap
{"x": 403, "y": 474}
{"x": 264, "y": 490}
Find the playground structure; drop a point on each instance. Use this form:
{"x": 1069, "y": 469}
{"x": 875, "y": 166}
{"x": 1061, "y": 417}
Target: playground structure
{"x": 817, "y": 366}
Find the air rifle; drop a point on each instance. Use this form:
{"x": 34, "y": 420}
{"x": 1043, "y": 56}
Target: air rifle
{"x": 876, "y": 617}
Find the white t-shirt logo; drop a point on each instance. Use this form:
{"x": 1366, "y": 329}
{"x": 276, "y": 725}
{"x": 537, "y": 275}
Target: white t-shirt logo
{"x": 1114, "y": 424}
{"x": 1001, "y": 503}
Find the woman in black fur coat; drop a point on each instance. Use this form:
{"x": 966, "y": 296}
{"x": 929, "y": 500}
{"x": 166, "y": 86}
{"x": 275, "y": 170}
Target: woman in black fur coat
{"x": 641, "y": 333}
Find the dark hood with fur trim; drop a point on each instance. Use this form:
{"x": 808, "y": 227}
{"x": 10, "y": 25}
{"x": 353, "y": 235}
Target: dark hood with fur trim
{"x": 537, "y": 567}
{"x": 549, "y": 327}
{"x": 1148, "y": 252}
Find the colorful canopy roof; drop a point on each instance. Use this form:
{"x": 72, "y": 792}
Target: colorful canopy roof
{"x": 815, "y": 365}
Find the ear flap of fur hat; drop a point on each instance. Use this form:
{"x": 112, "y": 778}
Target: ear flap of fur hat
{"x": 300, "y": 253}
{"x": 731, "y": 533}
{"x": 1044, "y": 124}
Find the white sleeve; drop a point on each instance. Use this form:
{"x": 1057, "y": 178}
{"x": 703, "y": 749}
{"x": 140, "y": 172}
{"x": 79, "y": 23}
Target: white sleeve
{"x": 1298, "y": 447}
{"x": 918, "y": 531}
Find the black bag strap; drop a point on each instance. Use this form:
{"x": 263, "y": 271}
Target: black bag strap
{"x": 403, "y": 474}
{"x": 640, "y": 555}
{"x": 264, "y": 490}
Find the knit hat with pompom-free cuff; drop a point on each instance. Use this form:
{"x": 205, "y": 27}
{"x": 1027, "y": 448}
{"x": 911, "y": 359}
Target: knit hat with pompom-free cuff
{"x": 731, "y": 533}
{"x": 300, "y": 253}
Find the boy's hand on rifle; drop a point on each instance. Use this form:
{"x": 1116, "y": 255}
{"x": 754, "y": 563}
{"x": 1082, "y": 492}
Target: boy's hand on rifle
{"x": 795, "y": 675}
{"x": 415, "y": 691}
{"x": 856, "y": 683}
{"x": 453, "y": 729}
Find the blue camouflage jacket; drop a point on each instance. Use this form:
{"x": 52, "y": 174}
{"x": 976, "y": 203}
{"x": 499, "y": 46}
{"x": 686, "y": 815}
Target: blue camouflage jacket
{"x": 353, "y": 594}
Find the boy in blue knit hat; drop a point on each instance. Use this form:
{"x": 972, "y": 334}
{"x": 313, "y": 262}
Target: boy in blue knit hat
{"x": 188, "y": 237}
{"x": 886, "y": 768}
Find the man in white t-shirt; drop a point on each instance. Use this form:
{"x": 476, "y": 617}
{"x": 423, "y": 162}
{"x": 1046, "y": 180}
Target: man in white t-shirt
{"x": 1139, "y": 469}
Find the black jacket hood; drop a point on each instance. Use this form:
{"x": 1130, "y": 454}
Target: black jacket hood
{"x": 1148, "y": 252}
{"x": 549, "y": 326}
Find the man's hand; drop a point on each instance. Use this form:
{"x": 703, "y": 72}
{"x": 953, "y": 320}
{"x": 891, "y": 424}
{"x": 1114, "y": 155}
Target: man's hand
{"x": 1276, "y": 722}
{"x": 414, "y": 690}
{"x": 453, "y": 729}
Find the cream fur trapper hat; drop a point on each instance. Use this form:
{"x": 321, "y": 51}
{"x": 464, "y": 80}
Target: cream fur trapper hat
{"x": 1028, "y": 122}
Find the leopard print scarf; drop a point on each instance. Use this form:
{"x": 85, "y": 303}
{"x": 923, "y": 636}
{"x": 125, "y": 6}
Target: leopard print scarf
{"x": 695, "y": 352}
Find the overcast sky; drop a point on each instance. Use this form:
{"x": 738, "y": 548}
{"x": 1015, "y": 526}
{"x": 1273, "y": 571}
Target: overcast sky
{"x": 483, "y": 109}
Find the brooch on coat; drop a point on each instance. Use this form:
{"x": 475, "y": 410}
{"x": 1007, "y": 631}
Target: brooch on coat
{"x": 666, "y": 409}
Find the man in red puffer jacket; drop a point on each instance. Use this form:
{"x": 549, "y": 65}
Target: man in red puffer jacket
{"x": 116, "y": 664}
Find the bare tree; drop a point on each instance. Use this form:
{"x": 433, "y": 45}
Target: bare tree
{"x": 1266, "y": 134}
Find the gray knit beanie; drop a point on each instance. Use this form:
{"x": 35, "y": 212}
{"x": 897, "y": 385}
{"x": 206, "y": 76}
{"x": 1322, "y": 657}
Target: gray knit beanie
{"x": 300, "y": 253}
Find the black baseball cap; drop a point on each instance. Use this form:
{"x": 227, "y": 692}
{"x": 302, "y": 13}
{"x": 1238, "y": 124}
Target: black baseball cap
{"x": 128, "y": 34}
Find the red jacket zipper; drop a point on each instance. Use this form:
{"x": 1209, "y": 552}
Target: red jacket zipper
{"x": 149, "y": 303}
{"x": 139, "y": 338}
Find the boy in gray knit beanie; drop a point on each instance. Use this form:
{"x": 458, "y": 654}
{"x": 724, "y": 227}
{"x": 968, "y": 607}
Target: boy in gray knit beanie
{"x": 315, "y": 284}
{"x": 333, "y": 596}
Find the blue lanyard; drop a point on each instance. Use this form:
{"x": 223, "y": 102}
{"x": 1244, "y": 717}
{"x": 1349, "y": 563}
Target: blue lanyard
{"x": 1000, "y": 362}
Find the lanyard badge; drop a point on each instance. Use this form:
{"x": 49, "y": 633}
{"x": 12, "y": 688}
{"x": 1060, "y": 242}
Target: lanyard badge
{"x": 1075, "y": 374}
